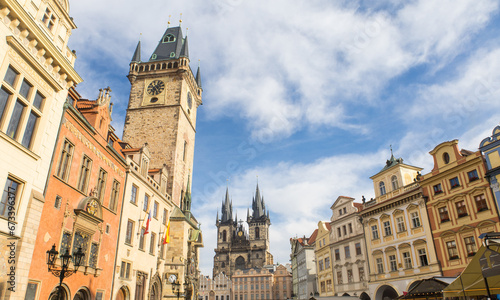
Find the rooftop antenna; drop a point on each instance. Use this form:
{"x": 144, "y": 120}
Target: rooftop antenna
{"x": 391, "y": 149}
{"x": 168, "y": 24}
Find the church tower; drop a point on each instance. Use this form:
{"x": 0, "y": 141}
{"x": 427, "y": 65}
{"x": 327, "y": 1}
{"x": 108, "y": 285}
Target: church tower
{"x": 258, "y": 227}
{"x": 226, "y": 232}
{"x": 164, "y": 98}
{"x": 238, "y": 248}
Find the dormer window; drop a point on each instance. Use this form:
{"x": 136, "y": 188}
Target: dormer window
{"x": 49, "y": 18}
{"x": 172, "y": 54}
{"x": 169, "y": 38}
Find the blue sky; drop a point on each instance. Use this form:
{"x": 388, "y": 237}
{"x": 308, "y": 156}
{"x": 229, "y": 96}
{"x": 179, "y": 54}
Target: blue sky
{"x": 306, "y": 95}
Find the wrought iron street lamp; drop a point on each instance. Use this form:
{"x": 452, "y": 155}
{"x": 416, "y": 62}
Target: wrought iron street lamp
{"x": 63, "y": 271}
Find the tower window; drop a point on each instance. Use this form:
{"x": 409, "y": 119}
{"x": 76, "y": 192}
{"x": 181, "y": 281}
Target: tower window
{"x": 169, "y": 38}
{"x": 184, "y": 151}
{"x": 257, "y": 233}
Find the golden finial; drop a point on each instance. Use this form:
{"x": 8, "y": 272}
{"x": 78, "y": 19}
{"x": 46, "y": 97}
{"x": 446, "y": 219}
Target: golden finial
{"x": 180, "y": 20}
{"x": 168, "y": 24}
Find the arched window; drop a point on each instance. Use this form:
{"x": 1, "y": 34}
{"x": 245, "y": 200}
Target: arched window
{"x": 169, "y": 38}
{"x": 224, "y": 236}
{"x": 395, "y": 184}
{"x": 257, "y": 233}
{"x": 382, "y": 188}
{"x": 240, "y": 263}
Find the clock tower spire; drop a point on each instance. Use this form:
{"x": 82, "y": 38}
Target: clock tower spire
{"x": 163, "y": 102}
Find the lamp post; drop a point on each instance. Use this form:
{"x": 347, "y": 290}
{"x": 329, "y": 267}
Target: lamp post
{"x": 63, "y": 271}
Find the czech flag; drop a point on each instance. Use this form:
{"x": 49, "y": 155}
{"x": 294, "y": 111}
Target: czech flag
{"x": 166, "y": 239}
{"x": 147, "y": 223}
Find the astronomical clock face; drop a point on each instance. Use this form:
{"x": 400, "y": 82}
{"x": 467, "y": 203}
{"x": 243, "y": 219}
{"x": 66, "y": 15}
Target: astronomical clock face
{"x": 92, "y": 207}
{"x": 156, "y": 87}
{"x": 240, "y": 233}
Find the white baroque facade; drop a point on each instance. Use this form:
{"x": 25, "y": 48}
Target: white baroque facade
{"x": 350, "y": 264}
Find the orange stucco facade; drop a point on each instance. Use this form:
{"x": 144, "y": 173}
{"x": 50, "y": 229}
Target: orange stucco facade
{"x": 83, "y": 201}
{"x": 460, "y": 205}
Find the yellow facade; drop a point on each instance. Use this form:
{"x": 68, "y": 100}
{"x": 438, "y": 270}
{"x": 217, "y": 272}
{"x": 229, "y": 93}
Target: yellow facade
{"x": 324, "y": 260}
{"x": 397, "y": 232}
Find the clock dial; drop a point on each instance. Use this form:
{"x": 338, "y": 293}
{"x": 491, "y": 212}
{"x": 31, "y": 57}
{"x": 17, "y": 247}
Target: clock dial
{"x": 172, "y": 278}
{"x": 156, "y": 87}
{"x": 240, "y": 233}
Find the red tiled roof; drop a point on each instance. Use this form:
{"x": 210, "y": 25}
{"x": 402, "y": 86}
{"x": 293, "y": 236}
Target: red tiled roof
{"x": 359, "y": 206}
{"x": 328, "y": 226}
{"x": 85, "y": 104}
{"x": 313, "y": 236}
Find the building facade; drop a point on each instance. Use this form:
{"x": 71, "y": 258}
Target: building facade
{"x": 397, "y": 232}
{"x": 303, "y": 267}
{"x": 82, "y": 203}
{"x": 238, "y": 249}
{"x": 460, "y": 205}
{"x": 269, "y": 283}
{"x": 490, "y": 148}
{"x": 36, "y": 71}
{"x": 347, "y": 244}
{"x": 218, "y": 288}
{"x": 323, "y": 255}
{"x": 142, "y": 244}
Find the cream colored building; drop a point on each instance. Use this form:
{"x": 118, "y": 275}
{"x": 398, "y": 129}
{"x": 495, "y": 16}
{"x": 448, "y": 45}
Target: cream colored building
{"x": 218, "y": 288}
{"x": 36, "y": 71}
{"x": 323, "y": 257}
{"x": 140, "y": 260}
{"x": 304, "y": 270}
{"x": 397, "y": 232}
{"x": 347, "y": 244}
{"x": 268, "y": 283}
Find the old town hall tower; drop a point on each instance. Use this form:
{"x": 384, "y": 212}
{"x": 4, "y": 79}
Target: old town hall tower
{"x": 238, "y": 248}
{"x": 164, "y": 98}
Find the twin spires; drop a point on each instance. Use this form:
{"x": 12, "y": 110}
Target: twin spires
{"x": 259, "y": 212}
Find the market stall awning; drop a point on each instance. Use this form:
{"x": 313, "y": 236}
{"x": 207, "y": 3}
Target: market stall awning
{"x": 428, "y": 287}
{"x": 486, "y": 262}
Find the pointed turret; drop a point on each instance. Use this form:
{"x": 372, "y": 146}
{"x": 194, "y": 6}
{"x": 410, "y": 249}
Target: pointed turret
{"x": 257, "y": 205}
{"x": 185, "y": 50}
{"x": 227, "y": 208}
{"x": 137, "y": 54}
{"x": 187, "y": 195}
{"x": 198, "y": 77}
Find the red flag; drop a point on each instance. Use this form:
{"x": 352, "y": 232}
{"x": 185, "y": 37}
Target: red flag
{"x": 166, "y": 240}
{"x": 147, "y": 224}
